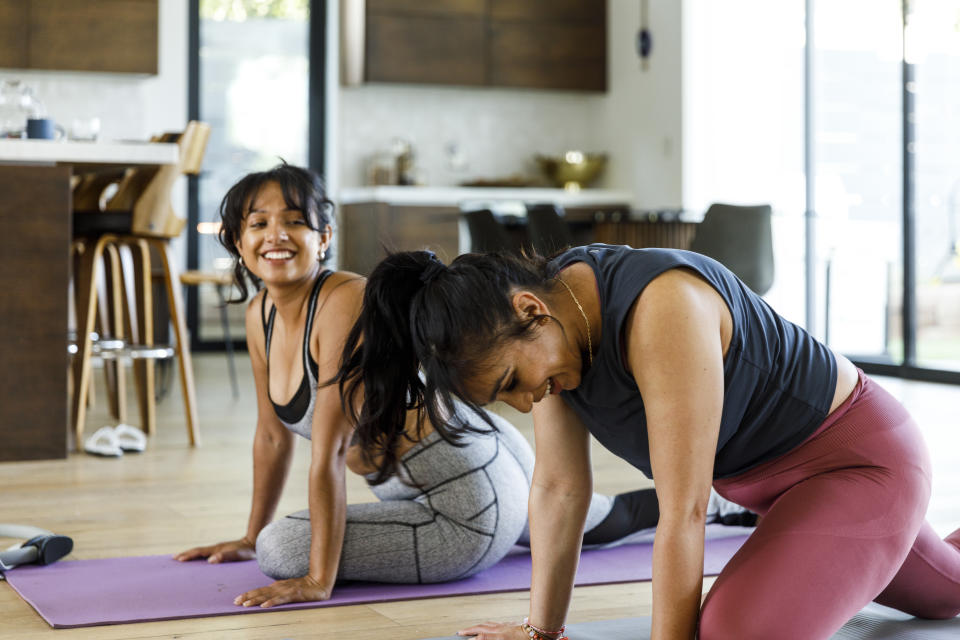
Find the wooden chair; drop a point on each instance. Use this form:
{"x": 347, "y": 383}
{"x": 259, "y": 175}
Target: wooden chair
{"x": 220, "y": 280}
{"x": 139, "y": 216}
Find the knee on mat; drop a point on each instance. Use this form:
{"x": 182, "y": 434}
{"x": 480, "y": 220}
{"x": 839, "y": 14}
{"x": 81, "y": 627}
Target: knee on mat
{"x": 276, "y": 555}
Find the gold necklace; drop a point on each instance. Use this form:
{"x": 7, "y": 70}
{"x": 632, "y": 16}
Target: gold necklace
{"x": 584, "y": 316}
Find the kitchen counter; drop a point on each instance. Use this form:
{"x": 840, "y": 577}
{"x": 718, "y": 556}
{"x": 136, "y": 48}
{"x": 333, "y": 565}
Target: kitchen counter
{"x": 36, "y": 210}
{"x": 54, "y": 152}
{"x": 446, "y": 196}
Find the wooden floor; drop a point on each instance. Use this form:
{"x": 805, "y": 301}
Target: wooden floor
{"x": 172, "y": 497}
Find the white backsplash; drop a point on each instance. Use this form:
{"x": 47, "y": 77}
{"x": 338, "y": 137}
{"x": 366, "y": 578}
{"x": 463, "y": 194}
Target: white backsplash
{"x": 497, "y": 131}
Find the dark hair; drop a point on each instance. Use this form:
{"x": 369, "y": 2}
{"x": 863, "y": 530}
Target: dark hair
{"x": 302, "y": 189}
{"x": 419, "y": 313}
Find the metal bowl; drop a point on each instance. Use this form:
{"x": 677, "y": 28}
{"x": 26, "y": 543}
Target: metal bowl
{"x": 573, "y": 169}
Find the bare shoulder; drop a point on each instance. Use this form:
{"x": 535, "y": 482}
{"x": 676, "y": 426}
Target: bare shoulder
{"x": 337, "y": 309}
{"x": 674, "y": 307}
{"x": 343, "y": 292}
{"x": 675, "y": 294}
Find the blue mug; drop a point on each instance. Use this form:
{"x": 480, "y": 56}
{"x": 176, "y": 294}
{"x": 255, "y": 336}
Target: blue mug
{"x": 44, "y": 129}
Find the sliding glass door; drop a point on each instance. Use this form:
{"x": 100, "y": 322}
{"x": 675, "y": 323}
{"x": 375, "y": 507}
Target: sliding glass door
{"x": 857, "y": 142}
{"x": 933, "y": 53}
{"x": 251, "y": 82}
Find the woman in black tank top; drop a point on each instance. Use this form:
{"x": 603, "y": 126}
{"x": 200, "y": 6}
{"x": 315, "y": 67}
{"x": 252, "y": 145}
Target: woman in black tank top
{"x": 676, "y": 366}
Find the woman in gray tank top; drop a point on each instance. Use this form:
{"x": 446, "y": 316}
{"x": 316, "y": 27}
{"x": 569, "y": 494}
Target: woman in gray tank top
{"x": 672, "y": 363}
{"x": 446, "y": 510}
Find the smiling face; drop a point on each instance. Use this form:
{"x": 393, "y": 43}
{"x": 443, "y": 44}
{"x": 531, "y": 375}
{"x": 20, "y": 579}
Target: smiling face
{"x": 276, "y": 243}
{"x": 524, "y": 370}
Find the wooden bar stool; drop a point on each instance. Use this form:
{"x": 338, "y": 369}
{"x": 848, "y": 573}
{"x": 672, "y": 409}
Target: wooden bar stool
{"x": 140, "y": 216}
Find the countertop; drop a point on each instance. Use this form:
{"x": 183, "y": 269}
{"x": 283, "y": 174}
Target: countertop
{"x": 68, "y": 152}
{"x": 452, "y": 196}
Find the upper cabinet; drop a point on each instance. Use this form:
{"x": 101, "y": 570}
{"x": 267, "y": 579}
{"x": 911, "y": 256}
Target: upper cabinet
{"x": 548, "y": 44}
{"x": 79, "y": 35}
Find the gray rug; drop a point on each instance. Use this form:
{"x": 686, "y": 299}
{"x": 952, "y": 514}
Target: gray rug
{"x": 873, "y": 623}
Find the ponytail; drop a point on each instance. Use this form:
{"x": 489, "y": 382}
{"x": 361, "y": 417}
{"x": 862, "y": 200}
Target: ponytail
{"x": 419, "y": 313}
{"x": 380, "y": 367}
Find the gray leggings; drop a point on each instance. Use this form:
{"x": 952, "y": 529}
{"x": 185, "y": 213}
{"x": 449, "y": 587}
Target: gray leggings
{"x": 470, "y": 509}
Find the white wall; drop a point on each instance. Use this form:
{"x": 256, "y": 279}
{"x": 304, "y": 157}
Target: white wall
{"x": 639, "y": 119}
{"x": 497, "y": 131}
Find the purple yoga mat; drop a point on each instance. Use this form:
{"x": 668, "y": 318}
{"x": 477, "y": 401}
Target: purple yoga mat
{"x": 140, "y": 589}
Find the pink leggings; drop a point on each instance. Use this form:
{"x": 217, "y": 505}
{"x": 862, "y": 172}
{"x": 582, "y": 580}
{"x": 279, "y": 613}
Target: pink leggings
{"x": 843, "y": 524}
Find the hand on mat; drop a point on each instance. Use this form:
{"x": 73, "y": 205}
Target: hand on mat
{"x": 495, "y": 631}
{"x": 232, "y": 551}
{"x": 305, "y": 589}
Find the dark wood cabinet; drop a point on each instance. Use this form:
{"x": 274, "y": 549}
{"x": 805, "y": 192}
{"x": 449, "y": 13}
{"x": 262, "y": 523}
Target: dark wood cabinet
{"x": 547, "y": 44}
{"x": 13, "y": 37}
{"x": 426, "y": 49}
{"x": 80, "y": 35}
{"x": 368, "y": 229}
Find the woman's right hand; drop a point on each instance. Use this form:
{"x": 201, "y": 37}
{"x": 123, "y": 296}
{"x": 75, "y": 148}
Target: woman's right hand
{"x": 233, "y": 551}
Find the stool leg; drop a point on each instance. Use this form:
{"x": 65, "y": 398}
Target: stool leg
{"x": 111, "y": 322}
{"x": 225, "y": 321}
{"x": 85, "y": 279}
{"x": 140, "y": 311}
{"x": 171, "y": 277}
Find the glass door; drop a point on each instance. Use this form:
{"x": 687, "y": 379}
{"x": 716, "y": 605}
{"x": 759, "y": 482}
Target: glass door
{"x": 933, "y": 53}
{"x": 857, "y": 150}
{"x": 252, "y": 85}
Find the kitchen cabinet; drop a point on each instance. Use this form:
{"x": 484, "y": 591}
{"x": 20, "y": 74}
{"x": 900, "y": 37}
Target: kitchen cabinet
{"x": 369, "y": 229}
{"x": 80, "y": 35}
{"x": 558, "y": 44}
{"x": 13, "y": 36}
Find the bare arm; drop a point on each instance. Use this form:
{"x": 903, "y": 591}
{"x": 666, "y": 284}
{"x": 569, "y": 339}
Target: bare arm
{"x": 560, "y": 495}
{"x": 272, "y": 454}
{"x": 330, "y": 435}
{"x": 675, "y": 352}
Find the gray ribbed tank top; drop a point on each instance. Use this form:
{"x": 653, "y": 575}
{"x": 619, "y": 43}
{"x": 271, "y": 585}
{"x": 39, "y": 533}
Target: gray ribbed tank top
{"x": 778, "y": 380}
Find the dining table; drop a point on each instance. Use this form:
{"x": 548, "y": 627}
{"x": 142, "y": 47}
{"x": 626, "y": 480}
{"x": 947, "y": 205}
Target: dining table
{"x": 35, "y": 234}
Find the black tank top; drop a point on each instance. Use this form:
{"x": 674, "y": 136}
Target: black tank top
{"x": 295, "y": 410}
{"x": 779, "y": 381}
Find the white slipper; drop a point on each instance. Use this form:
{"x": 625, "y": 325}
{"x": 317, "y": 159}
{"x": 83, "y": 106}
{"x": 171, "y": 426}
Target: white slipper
{"x": 130, "y": 438}
{"x": 103, "y": 442}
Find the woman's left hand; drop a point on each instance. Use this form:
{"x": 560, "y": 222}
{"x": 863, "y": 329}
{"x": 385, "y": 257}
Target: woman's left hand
{"x": 305, "y": 589}
{"x": 495, "y": 631}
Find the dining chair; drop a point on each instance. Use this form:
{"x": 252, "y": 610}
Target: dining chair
{"x": 740, "y": 238}
{"x": 487, "y": 234}
{"x": 220, "y": 281}
{"x": 139, "y": 216}
{"x": 547, "y": 230}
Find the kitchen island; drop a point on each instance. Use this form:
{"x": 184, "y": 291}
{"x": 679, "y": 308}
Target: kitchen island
{"x": 35, "y": 207}
{"x": 412, "y": 218}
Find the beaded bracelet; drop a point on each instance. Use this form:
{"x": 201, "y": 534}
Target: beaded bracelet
{"x": 536, "y": 633}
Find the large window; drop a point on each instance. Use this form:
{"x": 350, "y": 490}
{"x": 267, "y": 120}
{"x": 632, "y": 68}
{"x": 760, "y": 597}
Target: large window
{"x": 933, "y": 52}
{"x": 252, "y": 85}
{"x": 879, "y": 251}
{"x": 857, "y": 143}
